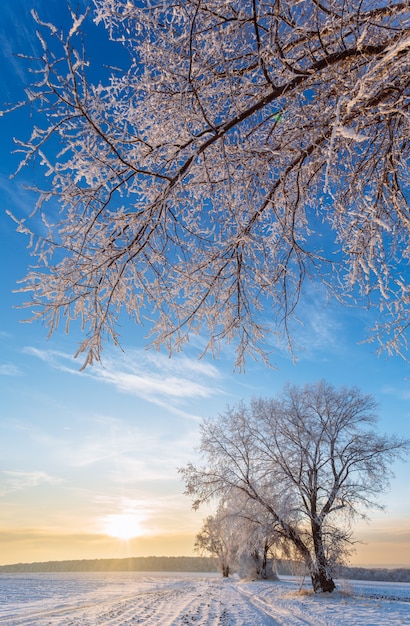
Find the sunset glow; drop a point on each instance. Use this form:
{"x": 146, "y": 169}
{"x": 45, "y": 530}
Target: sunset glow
{"x": 123, "y": 526}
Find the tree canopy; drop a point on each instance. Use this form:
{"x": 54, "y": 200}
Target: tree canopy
{"x": 309, "y": 458}
{"x": 246, "y": 146}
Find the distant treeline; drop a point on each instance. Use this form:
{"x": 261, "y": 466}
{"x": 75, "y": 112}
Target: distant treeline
{"x": 191, "y": 564}
{"x": 399, "y": 575}
{"x": 132, "y": 564}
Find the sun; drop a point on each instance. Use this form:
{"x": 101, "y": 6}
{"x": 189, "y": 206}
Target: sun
{"x": 122, "y": 525}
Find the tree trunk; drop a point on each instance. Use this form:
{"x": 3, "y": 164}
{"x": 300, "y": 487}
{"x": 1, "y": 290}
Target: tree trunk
{"x": 322, "y": 580}
{"x": 264, "y": 565}
{"x": 267, "y": 566}
{"x": 318, "y": 567}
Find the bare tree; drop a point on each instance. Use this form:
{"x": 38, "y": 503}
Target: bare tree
{"x": 310, "y": 458}
{"x": 247, "y": 146}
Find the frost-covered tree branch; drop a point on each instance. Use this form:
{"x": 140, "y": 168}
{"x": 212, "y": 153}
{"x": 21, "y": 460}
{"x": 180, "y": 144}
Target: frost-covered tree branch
{"x": 246, "y": 147}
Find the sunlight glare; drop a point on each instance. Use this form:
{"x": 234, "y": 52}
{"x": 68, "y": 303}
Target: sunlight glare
{"x": 123, "y": 525}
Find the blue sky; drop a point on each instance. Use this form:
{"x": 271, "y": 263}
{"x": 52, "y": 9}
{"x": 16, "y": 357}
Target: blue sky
{"x": 83, "y": 454}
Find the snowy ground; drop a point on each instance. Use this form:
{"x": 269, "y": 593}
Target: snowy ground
{"x": 121, "y": 599}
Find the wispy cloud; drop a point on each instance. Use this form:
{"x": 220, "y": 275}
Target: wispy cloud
{"x": 153, "y": 385}
{"x": 21, "y": 40}
{"x": 9, "y": 369}
{"x": 17, "y": 480}
{"x": 318, "y": 329}
{"x": 396, "y": 392}
{"x": 53, "y": 357}
{"x": 116, "y": 442}
{"x": 10, "y": 50}
{"x": 16, "y": 197}
{"x": 166, "y": 382}
{"x": 123, "y": 450}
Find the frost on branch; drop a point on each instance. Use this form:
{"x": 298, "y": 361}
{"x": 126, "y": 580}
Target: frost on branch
{"x": 194, "y": 184}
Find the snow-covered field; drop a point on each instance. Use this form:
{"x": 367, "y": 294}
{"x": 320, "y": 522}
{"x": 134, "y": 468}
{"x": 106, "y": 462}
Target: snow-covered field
{"x": 164, "y": 599}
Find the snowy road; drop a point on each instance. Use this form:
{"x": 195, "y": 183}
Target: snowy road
{"x": 115, "y": 600}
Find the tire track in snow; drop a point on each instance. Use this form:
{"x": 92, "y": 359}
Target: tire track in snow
{"x": 204, "y": 602}
{"x": 281, "y": 615}
{"x": 200, "y": 602}
{"x": 85, "y": 612}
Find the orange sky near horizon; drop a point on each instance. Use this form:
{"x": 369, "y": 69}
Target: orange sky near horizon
{"x": 383, "y": 545}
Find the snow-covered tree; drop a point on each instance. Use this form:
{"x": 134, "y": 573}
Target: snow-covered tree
{"x": 253, "y": 535}
{"x": 310, "y": 458}
{"x": 240, "y": 537}
{"x": 216, "y": 539}
{"x": 250, "y": 533}
{"x": 246, "y": 146}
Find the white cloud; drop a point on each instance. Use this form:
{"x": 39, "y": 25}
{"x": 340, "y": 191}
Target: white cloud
{"x": 166, "y": 382}
{"x": 17, "y": 480}
{"x": 51, "y": 357}
{"x": 150, "y": 386}
{"x": 9, "y": 369}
